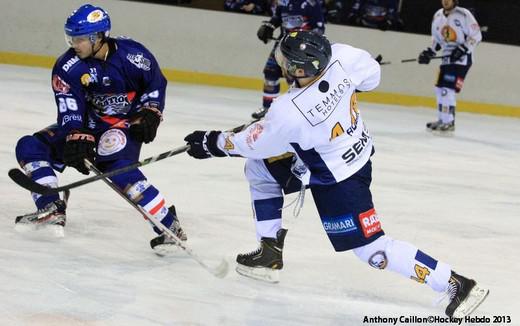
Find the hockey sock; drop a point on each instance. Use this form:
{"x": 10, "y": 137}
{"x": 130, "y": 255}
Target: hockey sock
{"x": 271, "y": 91}
{"x": 42, "y": 173}
{"x": 141, "y": 192}
{"x": 446, "y": 102}
{"x": 266, "y": 198}
{"x": 268, "y": 217}
{"x": 404, "y": 258}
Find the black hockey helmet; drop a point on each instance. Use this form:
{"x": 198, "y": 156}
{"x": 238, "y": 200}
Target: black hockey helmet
{"x": 305, "y": 50}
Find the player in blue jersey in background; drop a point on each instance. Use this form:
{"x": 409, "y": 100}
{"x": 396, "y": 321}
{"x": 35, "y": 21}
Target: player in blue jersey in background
{"x": 289, "y": 15}
{"x": 110, "y": 95}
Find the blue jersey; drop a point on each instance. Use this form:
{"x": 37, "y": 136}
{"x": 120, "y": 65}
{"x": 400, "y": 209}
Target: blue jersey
{"x": 95, "y": 93}
{"x": 295, "y": 15}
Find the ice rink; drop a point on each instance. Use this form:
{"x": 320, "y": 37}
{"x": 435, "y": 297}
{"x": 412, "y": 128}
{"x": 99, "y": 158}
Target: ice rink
{"x": 456, "y": 198}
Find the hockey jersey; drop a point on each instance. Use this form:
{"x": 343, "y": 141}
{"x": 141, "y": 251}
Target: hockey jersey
{"x": 321, "y": 122}
{"x": 459, "y": 27}
{"x": 91, "y": 91}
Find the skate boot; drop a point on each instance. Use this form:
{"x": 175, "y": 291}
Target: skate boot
{"x": 446, "y": 127}
{"x": 260, "y": 113}
{"x": 430, "y": 126}
{"x": 164, "y": 245}
{"x": 465, "y": 296}
{"x": 51, "y": 218}
{"x": 265, "y": 262}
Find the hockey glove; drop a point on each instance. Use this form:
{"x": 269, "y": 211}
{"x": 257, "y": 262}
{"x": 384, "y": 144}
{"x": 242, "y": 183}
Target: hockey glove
{"x": 426, "y": 56}
{"x": 458, "y": 53}
{"x": 203, "y": 144}
{"x": 79, "y": 145}
{"x": 265, "y": 32}
{"x": 146, "y": 122}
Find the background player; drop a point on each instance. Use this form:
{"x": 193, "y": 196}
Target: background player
{"x": 289, "y": 15}
{"x": 318, "y": 120}
{"x": 457, "y": 33}
{"x": 110, "y": 95}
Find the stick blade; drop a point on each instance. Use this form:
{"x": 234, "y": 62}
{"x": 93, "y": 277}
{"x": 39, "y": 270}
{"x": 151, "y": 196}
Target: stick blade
{"x": 25, "y": 182}
{"x": 221, "y": 270}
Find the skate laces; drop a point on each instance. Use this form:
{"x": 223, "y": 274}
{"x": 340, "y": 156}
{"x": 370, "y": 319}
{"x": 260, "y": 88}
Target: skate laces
{"x": 297, "y": 202}
{"x": 450, "y": 292}
{"x": 253, "y": 252}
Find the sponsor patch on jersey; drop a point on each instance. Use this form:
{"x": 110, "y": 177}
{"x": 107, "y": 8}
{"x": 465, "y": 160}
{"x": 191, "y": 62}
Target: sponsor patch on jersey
{"x": 317, "y": 103}
{"x": 95, "y": 16}
{"x": 59, "y": 85}
{"x": 339, "y": 224}
{"x": 355, "y": 151}
{"x": 71, "y": 117}
{"x": 112, "y": 141}
{"x": 139, "y": 61}
{"x": 370, "y": 223}
{"x": 254, "y": 134}
{"x": 70, "y": 63}
{"x": 113, "y": 104}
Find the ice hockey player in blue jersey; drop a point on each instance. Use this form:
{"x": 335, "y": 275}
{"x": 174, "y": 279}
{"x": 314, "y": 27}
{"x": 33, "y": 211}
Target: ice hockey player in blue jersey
{"x": 110, "y": 95}
{"x": 290, "y": 16}
{"x": 319, "y": 121}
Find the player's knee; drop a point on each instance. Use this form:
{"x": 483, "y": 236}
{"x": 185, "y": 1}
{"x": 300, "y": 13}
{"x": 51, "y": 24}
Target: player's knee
{"x": 30, "y": 148}
{"x": 124, "y": 180}
{"x": 375, "y": 253}
{"x": 254, "y": 169}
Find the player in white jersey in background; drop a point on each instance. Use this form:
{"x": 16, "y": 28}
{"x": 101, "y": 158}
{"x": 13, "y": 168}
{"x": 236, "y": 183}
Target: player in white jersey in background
{"x": 456, "y": 32}
{"x": 318, "y": 120}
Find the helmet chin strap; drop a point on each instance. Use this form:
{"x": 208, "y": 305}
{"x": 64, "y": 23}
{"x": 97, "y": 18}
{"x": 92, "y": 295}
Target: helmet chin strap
{"x": 94, "y": 52}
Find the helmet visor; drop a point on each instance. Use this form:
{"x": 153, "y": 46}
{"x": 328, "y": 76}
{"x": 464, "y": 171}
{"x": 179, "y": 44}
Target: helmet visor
{"x": 75, "y": 40}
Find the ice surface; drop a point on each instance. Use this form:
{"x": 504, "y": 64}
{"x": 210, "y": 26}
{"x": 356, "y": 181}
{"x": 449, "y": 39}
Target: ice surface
{"x": 456, "y": 198}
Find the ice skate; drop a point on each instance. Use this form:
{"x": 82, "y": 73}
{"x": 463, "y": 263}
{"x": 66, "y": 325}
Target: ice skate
{"x": 164, "y": 245}
{"x": 50, "y": 219}
{"x": 465, "y": 296}
{"x": 265, "y": 262}
{"x": 433, "y": 125}
{"x": 260, "y": 113}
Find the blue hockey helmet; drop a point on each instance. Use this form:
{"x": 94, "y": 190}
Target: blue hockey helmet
{"x": 87, "y": 20}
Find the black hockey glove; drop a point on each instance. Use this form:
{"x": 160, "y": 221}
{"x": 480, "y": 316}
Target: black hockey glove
{"x": 265, "y": 32}
{"x": 426, "y": 56}
{"x": 79, "y": 145}
{"x": 146, "y": 122}
{"x": 203, "y": 144}
{"x": 458, "y": 53}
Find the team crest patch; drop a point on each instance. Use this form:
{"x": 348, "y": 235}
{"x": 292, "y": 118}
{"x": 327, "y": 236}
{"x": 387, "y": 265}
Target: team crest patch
{"x": 95, "y": 16}
{"x": 369, "y": 222}
{"x": 112, "y": 141}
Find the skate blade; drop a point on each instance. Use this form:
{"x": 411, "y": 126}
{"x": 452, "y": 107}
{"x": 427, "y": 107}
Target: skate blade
{"x": 449, "y": 133}
{"x": 475, "y": 297}
{"x": 163, "y": 250}
{"x": 46, "y": 230}
{"x": 259, "y": 273}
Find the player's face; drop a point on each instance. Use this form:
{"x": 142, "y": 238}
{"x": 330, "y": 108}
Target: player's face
{"x": 81, "y": 45}
{"x": 448, "y": 4}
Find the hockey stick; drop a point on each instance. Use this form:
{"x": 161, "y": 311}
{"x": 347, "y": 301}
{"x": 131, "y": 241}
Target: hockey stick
{"x": 20, "y": 178}
{"x": 415, "y": 59}
{"x": 219, "y": 271}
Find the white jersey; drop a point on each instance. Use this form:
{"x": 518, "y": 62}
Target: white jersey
{"x": 459, "y": 27}
{"x": 321, "y": 122}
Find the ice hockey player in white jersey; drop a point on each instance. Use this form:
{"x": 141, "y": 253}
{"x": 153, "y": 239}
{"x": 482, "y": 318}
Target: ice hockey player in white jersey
{"x": 456, "y": 32}
{"x": 318, "y": 120}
